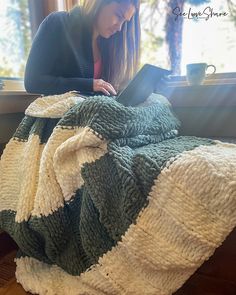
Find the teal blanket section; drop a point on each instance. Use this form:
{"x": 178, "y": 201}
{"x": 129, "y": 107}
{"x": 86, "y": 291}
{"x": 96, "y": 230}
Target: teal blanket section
{"x": 114, "y": 121}
{"x": 125, "y": 176}
{"x": 116, "y": 186}
{"x": 42, "y": 127}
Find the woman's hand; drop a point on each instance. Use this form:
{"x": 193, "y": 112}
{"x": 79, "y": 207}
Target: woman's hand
{"x": 100, "y": 85}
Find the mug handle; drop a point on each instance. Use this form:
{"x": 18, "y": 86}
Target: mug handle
{"x": 212, "y": 72}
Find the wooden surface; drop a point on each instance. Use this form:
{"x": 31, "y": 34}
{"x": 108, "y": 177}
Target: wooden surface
{"x": 13, "y": 288}
{"x": 217, "y": 276}
{"x": 7, "y": 268}
{"x": 15, "y": 101}
{"x": 205, "y": 110}
{"x": 202, "y": 96}
{"x": 8, "y": 125}
{"x": 207, "y": 122}
{"x": 8, "y": 284}
{"x": 12, "y": 108}
{"x": 7, "y": 244}
{"x": 2, "y": 146}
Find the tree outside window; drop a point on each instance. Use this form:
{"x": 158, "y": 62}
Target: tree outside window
{"x": 15, "y": 37}
{"x": 173, "y": 42}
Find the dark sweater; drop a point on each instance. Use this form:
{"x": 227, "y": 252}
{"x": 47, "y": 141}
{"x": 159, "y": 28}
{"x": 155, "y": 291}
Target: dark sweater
{"x": 61, "y": 57}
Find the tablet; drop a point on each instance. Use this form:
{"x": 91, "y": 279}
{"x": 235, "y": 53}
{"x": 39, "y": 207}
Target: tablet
{"x": 142, "y": 85}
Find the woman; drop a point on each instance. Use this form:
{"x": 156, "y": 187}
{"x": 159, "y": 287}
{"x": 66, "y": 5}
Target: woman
{"x": 93, "y": 48}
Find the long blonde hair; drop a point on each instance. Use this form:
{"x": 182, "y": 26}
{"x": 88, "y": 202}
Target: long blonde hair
{"x": 121, "y": 52}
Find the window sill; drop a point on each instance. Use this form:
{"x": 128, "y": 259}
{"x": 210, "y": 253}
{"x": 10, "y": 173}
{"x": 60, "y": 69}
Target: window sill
{"x": 12, "y": 92}
{"x": 13, "y": 96}
{"x": 215, "y": 79}
{"x": 220, "y": 92}
{"x": 11, "y": 84}
{"x": 15, "y": 101}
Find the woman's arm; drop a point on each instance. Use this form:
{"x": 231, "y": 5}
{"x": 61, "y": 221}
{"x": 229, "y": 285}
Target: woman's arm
{"x": 43, "y": 56}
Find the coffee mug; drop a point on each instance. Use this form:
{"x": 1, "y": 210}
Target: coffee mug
{"x": 196, "y": 73}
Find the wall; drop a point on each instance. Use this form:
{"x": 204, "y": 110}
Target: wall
{"x": 205, "y": 110}
{"x": 12, "y": 107}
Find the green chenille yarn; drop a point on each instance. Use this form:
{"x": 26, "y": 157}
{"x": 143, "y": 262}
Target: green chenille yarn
{"x": 42, "y": 127}
{"x": 112, "y": 120}
{"x": 116, "y": 186}
{"x": 129, "y": 175}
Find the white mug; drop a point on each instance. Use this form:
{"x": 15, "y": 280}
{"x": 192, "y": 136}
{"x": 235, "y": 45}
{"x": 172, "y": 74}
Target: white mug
{"x": 196, "y": 73}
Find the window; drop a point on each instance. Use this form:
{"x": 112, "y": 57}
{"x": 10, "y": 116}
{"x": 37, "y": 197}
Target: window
{"x": 212, "y": 41}
{"x": 153, "y": 47}
{"x": 15, "y": 37}
{"x": 19, "y": 21}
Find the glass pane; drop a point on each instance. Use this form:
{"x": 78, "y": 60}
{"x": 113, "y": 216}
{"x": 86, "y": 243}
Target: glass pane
{"x": 153, "y": 46}
{"x": 212, "y": 41}
{"x": 15, "y": 37}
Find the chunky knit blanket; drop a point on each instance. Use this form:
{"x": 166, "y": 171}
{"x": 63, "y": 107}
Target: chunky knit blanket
{"x": 105, "y": 199}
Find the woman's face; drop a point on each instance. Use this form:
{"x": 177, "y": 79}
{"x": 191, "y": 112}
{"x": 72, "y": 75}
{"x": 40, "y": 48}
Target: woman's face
{"x": 112, "y": 16}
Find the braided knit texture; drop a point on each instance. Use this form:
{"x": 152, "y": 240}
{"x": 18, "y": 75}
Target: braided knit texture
{"x": 105, "y": 199}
